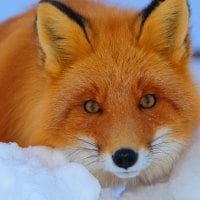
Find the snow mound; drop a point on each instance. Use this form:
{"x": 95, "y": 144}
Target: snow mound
{"x": 41, "y": 173}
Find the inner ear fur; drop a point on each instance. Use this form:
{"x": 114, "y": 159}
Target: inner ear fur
{"x": 165, "y": 28}
{"x": 62, "y": 35}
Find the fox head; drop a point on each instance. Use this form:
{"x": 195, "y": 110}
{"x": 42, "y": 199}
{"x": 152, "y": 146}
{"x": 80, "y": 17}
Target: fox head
{"x": 120, "y": 98}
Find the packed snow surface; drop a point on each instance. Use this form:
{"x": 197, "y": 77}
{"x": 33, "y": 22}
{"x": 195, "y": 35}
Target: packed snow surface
{"x": 41, "y": 173}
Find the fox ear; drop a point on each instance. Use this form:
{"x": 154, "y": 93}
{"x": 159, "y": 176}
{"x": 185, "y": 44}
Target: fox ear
{"x": 165, "y": 28}
{"x": 62, "y": 35}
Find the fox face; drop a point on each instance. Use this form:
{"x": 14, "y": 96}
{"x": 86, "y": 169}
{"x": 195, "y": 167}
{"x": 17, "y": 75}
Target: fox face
{"x": 119, "y": 97}
{"x": 123, "y": 99}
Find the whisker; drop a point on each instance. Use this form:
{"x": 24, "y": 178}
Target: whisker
{"x": 164, "y": 135}
{"x": 80, "y": 150}
{"x": 91, "y": 156}
{"x": 169, "y": 142}
{"x": 85, "y": 152}
{"x": 73, "y": 153}
{"x": 87, "y": 142}
{"x": 161, "y": 152}
{"x": 88, "y": 149}
{"x": 165, "y": 147}
{"x": 165, "y": 152}
{"x": 92, "y": 162}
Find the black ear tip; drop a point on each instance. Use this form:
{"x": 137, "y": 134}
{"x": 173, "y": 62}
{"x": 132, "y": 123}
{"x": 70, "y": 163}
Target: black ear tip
{"x": 68, "y": 11}
{"x": 150, "y": 8}
{"x": 189, "y": 8}
{"x": 45, "y": 1}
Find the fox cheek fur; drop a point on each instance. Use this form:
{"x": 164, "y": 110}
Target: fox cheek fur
{"x": 111, "y": 87}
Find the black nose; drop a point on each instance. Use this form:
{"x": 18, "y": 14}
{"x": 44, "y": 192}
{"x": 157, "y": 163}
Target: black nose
{"x": 125, "y": 158}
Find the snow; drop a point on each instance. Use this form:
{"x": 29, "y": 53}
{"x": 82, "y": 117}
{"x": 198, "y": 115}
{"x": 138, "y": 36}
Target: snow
{"x": 41, "y": 173}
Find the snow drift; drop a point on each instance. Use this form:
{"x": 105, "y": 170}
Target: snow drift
{"x": 41, "y": 173}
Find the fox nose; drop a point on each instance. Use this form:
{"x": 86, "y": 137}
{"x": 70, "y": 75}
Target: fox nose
{"x": 125, "y": 158}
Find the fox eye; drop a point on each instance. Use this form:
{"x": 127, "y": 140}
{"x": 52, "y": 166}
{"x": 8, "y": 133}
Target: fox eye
{"x": 148, "y": 101}
{"x": 92, "y": 107}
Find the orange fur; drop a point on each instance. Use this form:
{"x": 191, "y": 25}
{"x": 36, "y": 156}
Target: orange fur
{"x": 41, "y": 103}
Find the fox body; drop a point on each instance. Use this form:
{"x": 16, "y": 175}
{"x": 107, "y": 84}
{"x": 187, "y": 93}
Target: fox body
{"x": 111, "y": 87}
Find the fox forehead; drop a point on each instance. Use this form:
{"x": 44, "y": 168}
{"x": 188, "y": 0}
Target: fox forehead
{"x": 128, "y": 71}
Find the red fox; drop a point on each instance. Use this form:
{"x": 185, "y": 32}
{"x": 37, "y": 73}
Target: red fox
{"x": 109, "y": 86}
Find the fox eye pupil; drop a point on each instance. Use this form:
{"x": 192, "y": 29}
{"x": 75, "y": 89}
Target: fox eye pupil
{"x": 148, "y": 101}
{"x": 91, "y": 107}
